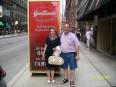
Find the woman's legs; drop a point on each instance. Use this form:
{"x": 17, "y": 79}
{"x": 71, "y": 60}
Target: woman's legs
{"x": 88, "y": 43}
{"x": 48, "y": 74}
{"x": 52, "y": 74}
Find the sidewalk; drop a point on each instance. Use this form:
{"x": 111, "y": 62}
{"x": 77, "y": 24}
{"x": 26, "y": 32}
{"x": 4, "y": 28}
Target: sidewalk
{"x": 11, "y": 35}
{"x": 95, "y": 70}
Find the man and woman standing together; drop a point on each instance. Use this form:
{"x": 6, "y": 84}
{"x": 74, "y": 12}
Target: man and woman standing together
{"x": 69, "y": 44}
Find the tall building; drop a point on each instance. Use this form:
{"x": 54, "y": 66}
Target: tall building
{"x": 100, "y": 15}
{"x": 70, "y": 12}
{"x": 19, "y": 14}
{"x": 5, "y": 14}
{"x": 13, "y": 16}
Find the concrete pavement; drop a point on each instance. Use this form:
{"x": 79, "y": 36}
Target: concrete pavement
{"x": 94, "y": 70}
{"x": 13, "y": 55}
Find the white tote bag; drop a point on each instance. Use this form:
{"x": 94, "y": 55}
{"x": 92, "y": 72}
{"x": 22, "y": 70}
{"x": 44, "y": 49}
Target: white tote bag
{"x": 56, "y": 59}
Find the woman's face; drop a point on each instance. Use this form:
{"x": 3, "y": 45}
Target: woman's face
{"x": 52, "y": 32}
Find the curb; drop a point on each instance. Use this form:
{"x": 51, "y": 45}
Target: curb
{"x": 17, "y": 77}
{"x": 9, "y": 36}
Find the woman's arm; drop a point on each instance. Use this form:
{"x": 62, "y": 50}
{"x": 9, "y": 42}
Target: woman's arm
{"x": 43, "y": 57}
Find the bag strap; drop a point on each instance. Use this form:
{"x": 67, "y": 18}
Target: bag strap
{"x": 61, "y": 34}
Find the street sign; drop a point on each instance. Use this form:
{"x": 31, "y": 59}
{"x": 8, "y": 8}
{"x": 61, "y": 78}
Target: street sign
{"x": 41, "y": 16}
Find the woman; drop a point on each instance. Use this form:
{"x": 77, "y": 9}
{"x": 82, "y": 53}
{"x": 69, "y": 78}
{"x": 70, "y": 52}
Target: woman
{"x": 88, "y": 37}
{"x": 52, "y": 41}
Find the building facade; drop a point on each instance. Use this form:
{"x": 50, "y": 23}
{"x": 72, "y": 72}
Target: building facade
{"x": 5, "y": 16}
{"x": 100, "y": 16}
{"x": 19, "y": 12}
{"x": 13, "y": 16}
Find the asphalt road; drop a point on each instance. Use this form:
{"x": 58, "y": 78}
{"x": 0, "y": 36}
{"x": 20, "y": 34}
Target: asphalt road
{"x": 13, "y": 55}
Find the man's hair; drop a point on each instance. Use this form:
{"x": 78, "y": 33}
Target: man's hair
{"x": 67, "y": 24}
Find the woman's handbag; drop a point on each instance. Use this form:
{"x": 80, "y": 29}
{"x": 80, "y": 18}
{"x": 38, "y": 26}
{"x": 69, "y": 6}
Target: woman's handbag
{"x": 56, "y": 59}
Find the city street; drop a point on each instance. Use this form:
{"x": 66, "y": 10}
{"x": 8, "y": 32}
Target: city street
{"x": 13, "y": 55}
{"x": 94, "y": 70}
{"x": 81, "y": 29}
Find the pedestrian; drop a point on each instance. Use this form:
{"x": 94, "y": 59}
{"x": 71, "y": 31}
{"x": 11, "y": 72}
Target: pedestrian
{"x": 88, "y": 37}
{"x": 2, "y": 75}
{"x": 51, "y": 42}
{"x": 70, "y": 54}
{"x": 78, "y": 34}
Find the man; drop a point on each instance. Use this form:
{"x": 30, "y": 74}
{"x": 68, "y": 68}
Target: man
{"x": 78, "y": 34}
{"x": 70, "y": 54}
{"x": 76, "y": 31}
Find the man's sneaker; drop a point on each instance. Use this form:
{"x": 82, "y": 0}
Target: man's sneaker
{"x": 48, "y": 81}
{"x": 64, "y": 81}
{"x": 72, "y": 84}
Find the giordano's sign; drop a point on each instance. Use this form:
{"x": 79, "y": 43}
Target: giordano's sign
{"x": 42, "y": 14}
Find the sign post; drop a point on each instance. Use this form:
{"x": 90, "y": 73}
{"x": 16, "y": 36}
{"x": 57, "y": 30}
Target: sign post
{"x": 42, "y": 15}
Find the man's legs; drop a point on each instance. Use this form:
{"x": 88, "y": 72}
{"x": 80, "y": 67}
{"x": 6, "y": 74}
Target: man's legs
{"x": 65, "y": 73}
{"x": 72, "y": 75}
{"x": 72, "y": 78}
{"x": 65, "y": 76}
{"x": 73, "y": 66}
{"x": 65, "y": 68}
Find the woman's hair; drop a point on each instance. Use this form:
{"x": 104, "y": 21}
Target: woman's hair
{"x": 54, "y": 30}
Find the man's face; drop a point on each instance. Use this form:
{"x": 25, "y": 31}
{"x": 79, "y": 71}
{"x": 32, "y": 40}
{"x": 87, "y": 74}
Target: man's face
{"x": 66, "y": 28}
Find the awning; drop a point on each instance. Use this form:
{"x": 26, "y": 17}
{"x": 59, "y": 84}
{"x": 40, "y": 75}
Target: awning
{"x": 7, "y": 26}
{"x": 84, "y": 4}
{"x": 95, "y": 4}
{"x": 1, "y": 23}
{"x": 88, "y": 6}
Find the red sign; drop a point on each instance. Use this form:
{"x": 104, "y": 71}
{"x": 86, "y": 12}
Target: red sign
{"x": 42, "y": 16}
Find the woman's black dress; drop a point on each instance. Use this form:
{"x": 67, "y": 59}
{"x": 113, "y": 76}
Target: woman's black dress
{"x": 49, "y": 50}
